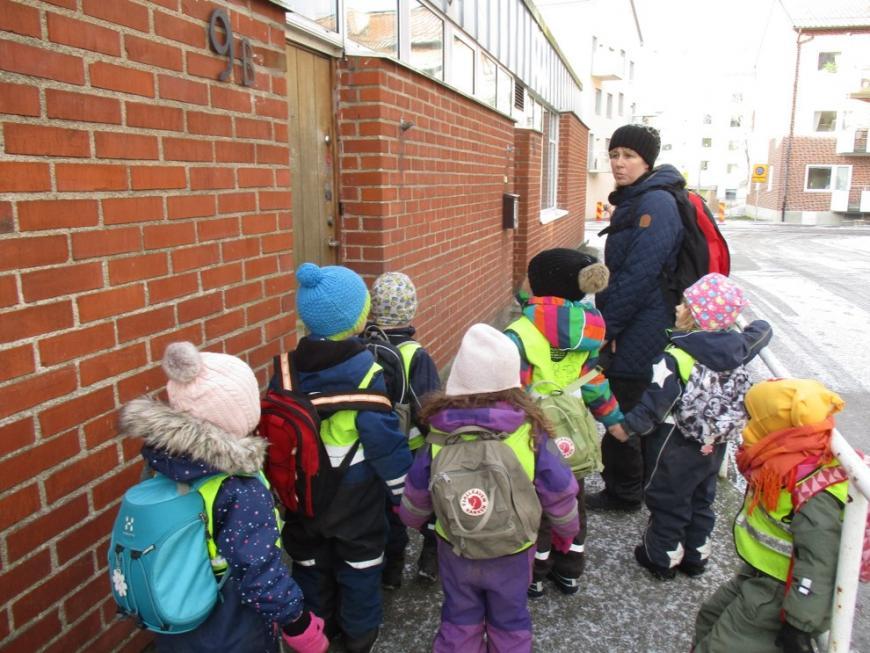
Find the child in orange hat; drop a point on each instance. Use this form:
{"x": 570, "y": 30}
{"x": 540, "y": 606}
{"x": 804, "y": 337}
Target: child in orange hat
{"x": 788, "y": 530}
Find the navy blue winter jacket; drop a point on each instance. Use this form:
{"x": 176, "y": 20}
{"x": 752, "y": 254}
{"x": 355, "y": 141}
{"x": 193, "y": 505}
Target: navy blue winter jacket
{"x": 647, "y": 234}
{"x": 718, "y": 350}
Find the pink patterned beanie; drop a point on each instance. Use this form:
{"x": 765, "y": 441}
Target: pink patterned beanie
{"x": 715, "y": 301}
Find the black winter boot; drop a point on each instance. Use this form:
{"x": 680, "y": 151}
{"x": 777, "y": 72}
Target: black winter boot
{"x": 391, "y": 577}
{"x": 660, "y": 573}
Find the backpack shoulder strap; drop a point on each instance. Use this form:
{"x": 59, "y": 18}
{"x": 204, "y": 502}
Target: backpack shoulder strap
{"x": 208, "y": 487}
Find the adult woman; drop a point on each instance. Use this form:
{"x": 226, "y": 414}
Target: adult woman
{"x": 643, "y": 239}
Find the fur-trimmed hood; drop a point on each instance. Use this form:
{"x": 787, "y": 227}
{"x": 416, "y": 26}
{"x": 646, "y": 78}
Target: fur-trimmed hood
{"x": 179, "y": 434}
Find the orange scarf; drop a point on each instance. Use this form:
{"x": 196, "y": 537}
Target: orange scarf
{"x": 770, "y": 464}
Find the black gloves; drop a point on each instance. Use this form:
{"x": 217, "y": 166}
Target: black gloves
{"x": 792, "y": 640}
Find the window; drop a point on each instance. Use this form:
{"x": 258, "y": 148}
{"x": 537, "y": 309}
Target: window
{"x": 550, "y": 159}
{"x": 322, "y": 12}
{"x": 590, "y": 153}
{"x": 705, "y": 165}
{"x": 427, "y": 40}
{"x": 736, "y": 120}
{"x": 737, "y": 98}
{"x": 706, "y": 142}
{"x": 505, "y": 90}
{"x": 827, "y": 178}
{"x": 462, "y": 76}
{"x": 621, "y": 104}
{"x": 733, "y": 145}
{"x": 828, "y": 61}
{"x": 610, "y": 105}
{"x": 486, "y": 81}
{"x": 667, "y": 147}
{"x": 374, "y": 24}
{"x": 730, "y": 194}
{"x": 708, "y": 119}
{"x": 732, "y": 168}
{"x": 825, "y": 121}
{"x": 598, "y": 101}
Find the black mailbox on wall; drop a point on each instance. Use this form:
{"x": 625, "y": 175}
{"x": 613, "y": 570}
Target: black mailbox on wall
{"x": 510, "y": 211}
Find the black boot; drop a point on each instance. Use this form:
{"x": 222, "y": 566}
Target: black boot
{"x": 427, "y": 565}
{"x": 391, "y": 577}
{"x": 603, "y": 500}
{"x": 362, "y": 644}
{"x": 660, "y": 573}
{"x": 693, "y": 569}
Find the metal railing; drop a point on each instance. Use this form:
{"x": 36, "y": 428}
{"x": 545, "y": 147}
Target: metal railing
{"x": 852, "y": 534}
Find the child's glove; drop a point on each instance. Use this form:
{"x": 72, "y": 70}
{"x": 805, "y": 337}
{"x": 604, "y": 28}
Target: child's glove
{"x": 793, "y": 640}
{"x": 311, "y": 639}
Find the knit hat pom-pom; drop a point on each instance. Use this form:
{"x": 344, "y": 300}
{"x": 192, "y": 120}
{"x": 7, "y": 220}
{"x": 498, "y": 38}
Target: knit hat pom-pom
{"x": 309, "y": 275}
{"x": 594, "y": 278}
{"x": 182, "y": 362}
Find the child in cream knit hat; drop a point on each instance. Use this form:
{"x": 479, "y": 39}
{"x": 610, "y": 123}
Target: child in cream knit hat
{"x": 394, "y": 305}
{"x": 483, "y": 391}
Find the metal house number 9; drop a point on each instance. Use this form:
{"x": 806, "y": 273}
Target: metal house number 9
{"x": 227, "y": 48}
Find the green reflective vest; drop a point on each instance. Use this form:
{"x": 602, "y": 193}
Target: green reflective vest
{"x": 339, "y": 432}
{"x": 407, "y": 350}
{"x": 537, "y": 353}
{"x": 764, "y": 540}
{"x": 685, "y": 361}
{"x": 519, "y": 442}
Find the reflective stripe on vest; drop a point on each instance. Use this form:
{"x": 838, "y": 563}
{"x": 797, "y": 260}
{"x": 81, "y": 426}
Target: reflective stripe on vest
{"x": 407, "y": 349}
{"x": 537, "y": 352}
{"x": 764, "y": 540}
{"x": 520, "y": 443}
{"x": 338, "y": 431}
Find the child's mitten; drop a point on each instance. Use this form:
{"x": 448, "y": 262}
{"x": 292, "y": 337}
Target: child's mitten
{"x": 311, "y": 639}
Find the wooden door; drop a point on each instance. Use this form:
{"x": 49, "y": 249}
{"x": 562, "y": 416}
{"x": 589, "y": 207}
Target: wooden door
{"x": 312, "y": 156}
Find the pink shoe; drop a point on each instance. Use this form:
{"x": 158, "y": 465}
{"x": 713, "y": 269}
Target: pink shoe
{"x": 312, "y": 640}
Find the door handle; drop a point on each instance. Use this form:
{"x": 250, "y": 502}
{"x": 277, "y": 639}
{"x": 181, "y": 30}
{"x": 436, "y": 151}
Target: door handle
{"x": 332, "y": 242}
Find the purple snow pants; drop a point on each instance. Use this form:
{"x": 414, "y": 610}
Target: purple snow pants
{"x": 484, "y": 597}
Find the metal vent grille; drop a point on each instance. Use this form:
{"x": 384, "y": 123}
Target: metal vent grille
{"x": 519, "y": 97}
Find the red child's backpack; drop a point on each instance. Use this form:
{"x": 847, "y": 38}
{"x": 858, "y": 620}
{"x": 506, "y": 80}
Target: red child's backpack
{"x": 825, "y": 478}
{"x": 297, "y": 464}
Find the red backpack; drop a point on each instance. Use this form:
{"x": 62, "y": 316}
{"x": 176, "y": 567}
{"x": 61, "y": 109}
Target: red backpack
{"x": 297, "y": 463}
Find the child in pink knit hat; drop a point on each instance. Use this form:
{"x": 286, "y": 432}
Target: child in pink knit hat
{"x": 686, "y": 417}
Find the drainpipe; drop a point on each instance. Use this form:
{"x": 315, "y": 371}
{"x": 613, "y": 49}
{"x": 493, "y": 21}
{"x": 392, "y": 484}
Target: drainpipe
{"x": 794, "y": 92}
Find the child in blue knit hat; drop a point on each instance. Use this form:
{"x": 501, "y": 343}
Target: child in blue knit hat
{"x": 338, "y": 557}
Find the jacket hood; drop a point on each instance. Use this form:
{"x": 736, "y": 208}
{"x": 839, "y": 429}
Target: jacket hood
{"x": 663, "y": 177}
{"x": 567, "y": 325}
{"x": 718, "y": 350}
{"x": 498, "y": 417}
{"x": 170, "y": 434}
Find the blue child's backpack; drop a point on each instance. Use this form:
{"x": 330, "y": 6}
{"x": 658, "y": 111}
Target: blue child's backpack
{"x": 163, "y": 563}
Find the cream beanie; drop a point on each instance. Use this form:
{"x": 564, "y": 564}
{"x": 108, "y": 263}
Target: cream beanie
{"x": 487, "y": 361}
{"x": 216, "y": 388}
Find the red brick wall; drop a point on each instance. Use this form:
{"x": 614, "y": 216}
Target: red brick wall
{"x": 143, "y": 201}
{"x": 426, "y": 201}
{"x": 809, "y": 151}
{"x": 568, "y": 230}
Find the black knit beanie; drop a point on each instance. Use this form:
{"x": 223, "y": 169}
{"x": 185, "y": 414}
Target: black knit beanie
{"x": 643, "y": 139}
{"x": 557, "y": 273}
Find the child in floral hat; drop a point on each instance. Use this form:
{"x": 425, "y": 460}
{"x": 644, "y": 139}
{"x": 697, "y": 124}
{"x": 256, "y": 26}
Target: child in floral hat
{"x": 394, "y": 305}
{"x": 692, "y": 408}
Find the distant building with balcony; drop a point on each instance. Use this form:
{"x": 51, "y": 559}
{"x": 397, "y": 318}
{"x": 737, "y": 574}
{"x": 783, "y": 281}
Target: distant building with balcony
{"x": 812, "y": 133}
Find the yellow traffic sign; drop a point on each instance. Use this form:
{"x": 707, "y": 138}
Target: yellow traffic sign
{"x": 759, "y": 173}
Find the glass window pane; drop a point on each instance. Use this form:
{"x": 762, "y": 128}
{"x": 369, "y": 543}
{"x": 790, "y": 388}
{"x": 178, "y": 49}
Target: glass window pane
{"x": 825, "y": 121}
{"x": 374, "y": 24}
{"x": 463, "y": 66}
{"x": 842, "y": 182}
{"x": 427, "y": 40}
{"x": 322, "y": 12}
{"x": 505, "y": 90}
{"x": 819, "y": 178}
{"x": 486, "y": 80}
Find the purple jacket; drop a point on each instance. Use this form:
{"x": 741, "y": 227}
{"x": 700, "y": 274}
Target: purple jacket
{"x": 554, "y": 482}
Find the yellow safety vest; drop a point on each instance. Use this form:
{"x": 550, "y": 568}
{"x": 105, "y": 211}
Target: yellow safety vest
{"x": 764, "y": 539}
{"x": 339, "y": 431}
{"x": 537, "y": 352}
{"x": 407, "y": 350}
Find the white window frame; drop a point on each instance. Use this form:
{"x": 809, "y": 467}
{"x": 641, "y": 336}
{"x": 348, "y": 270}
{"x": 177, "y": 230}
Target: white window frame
{"x": 551, "y": 212}
{"x": 833, "y": 168}
{"x": 816, "y": 116}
